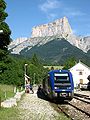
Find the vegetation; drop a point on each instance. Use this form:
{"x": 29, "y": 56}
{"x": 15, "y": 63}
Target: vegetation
{"x": 69, "y": 63}
{"x": 9, "y": 114}
{"x": 57, "y": 52}
{"x": 4, "y": 31}
{"x": 12, "y": 70}
{"x": 14, "y": 114}
{"x": 6, "y": 91}
{"x": 36, "y": 70}
{"x": 12, "y": 67}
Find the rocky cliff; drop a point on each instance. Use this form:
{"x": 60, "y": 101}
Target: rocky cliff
{"x": 58, "y": 27}
{"x": 43, "y": 34}
{"x": 80, "y": 42}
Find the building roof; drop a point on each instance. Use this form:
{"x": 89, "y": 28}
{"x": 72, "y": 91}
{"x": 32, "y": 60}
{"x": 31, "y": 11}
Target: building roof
{"x": 81, "y": 64}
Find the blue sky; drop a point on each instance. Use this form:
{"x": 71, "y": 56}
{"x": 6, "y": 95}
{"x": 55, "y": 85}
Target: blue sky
{"x": 24, "y": 14}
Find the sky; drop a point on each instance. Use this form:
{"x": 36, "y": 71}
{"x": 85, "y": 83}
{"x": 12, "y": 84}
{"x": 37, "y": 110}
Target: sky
{"x": 25, "y": 14}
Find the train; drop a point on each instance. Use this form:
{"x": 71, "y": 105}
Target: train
{"x": 58, "y": 84}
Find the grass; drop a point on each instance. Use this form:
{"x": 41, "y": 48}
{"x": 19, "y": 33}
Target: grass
{"x": 9, "y": 114}
{"x": 14, "y": 114}
{"x": 6, "y": 91}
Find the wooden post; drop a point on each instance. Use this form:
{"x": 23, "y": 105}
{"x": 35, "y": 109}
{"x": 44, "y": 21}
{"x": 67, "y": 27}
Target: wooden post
{"x": 14, "y": 89}
{"x": 0, "y": 101}
{"x": 5, "y": 95}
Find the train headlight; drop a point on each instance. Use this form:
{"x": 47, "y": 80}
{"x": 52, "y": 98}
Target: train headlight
{"x": 56, "y": 87}
{"x": 68, "y": 87}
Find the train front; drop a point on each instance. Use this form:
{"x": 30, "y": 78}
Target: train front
{"x": 62, "y": 84}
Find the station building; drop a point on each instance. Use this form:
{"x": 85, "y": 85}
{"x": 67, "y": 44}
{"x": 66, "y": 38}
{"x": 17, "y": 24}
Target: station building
{"x": 80, "y": 72}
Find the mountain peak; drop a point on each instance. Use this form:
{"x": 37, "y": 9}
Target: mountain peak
{"x": 45, "y": 33}
{"x": 58, "y": 27}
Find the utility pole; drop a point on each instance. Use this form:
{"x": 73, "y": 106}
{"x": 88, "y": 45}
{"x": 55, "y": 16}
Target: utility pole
{"x": 25, "y": 74}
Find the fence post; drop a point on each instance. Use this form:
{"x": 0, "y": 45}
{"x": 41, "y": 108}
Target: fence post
{"x": 0, "y": 101}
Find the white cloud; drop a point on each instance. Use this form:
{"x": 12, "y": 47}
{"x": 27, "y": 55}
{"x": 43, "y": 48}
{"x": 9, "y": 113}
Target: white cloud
{"x": 55, "y": 8}
{"x": 49, "y": 5}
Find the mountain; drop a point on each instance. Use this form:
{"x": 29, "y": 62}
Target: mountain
{"x": 56, "y": 51}
{"x": 46, "y": 38}
{"x": 80, "y": 42}
{"x": 59, "y": 27}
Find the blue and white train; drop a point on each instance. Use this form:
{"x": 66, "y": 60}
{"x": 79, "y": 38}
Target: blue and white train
{"x": 59, "y": 84}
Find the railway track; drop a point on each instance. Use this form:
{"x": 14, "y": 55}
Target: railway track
{"x": 81, "y": 110}
{"x": 65, "y": 113}
{"x": 83, "y": 98}
{"x": 78, "y": 108}
{"x": 73, "y": 112}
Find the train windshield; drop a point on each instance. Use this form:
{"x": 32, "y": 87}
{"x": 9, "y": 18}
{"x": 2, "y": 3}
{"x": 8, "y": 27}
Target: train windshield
{"x": 63, "y": 77}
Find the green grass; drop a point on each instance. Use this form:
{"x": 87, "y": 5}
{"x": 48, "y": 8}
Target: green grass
{"x": 9, "y": 114}
{"x": 14, "y": 114}
{"x": 6, "y": 91}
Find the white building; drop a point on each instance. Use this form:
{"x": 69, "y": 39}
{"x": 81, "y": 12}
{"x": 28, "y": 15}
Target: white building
{"x": 80, "y": 73}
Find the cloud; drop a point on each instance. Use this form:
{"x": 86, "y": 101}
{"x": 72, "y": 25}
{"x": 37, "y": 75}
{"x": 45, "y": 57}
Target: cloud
{"x": 57, "y": 8}
{"x": 49, "y": 5}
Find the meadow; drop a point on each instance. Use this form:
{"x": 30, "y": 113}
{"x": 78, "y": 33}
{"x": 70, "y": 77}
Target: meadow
{"x": 6, "y": 91}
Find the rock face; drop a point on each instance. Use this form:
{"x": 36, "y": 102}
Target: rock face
{"x": 42, "y": 34}
{"x": 58, "y": 27}
{"x": 85, "y": 43}
{"x": 82, "y": 43}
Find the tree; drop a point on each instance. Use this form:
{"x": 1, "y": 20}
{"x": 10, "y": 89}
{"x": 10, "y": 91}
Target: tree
{"x": 69, "y": 63}
{"x": 34, "y": 60}
{"x": 4, "y": 28}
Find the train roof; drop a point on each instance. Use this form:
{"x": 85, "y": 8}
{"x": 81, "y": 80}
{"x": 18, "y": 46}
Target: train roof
{"x": 53, "y": 71}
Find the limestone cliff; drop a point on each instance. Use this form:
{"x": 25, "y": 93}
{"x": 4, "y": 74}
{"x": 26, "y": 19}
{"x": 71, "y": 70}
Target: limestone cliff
{"x": 42, "y": 34}
{"x": 58, "y": 27}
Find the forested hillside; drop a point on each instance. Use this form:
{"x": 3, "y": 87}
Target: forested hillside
{"x": 12, "y": 70}
{"x": 57, "y": 51}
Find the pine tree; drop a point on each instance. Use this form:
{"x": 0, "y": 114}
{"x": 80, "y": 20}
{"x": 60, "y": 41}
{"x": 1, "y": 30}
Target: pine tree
{"x": 34, "y": 60}
{"x": 4, "y": 29}
{"x": 70, "y": 63}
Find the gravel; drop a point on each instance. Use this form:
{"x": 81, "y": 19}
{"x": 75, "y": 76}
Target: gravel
{"x": 82, "y": 105}
{"x": 82, "y": 92}
{"x": 33, "y": 108}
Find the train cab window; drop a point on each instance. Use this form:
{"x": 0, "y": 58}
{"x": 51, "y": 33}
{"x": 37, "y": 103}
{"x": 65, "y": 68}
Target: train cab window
{"x": 63, "y": 77}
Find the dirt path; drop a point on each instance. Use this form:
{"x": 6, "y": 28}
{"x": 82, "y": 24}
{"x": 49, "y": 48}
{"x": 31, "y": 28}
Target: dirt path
{"x": 33, "y": 108}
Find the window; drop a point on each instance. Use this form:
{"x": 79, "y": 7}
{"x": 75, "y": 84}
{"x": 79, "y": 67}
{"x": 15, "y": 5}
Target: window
{"x": 81, "y": 81}
{"x": 80, "y": 73}
{"x": 61, "y": 77}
